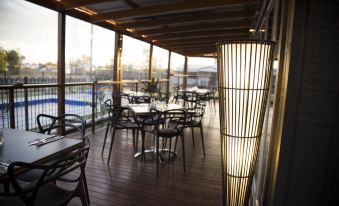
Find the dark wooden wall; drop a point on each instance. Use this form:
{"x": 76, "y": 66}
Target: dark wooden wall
{"x": 308, "y": 168}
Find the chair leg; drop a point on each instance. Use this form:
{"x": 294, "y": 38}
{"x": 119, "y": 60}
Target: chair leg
{"x": 110, "y": 148}
{"x": 175, "y": 144}
{"x": 133, "y": 134}
{"x": 103, "y": 147}
{"x": 183, "y": 151}
{"x": 143, "y": 144}
{"x": 202, "y": 139}
{"x": 192, "y": 136}
{"x": 157, "y": 154}
{"x": 137, "y": 141}
{"x": 86, "y": 188}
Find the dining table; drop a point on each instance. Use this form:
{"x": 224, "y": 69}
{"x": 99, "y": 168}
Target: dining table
{"x": 32, "y": 147}
{"x": 144, "y": 110}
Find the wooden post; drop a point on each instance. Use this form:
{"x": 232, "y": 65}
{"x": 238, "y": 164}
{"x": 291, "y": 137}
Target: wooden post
{"x": 150, "y": 62}
{"x": 169, "y": 72}
{"x": 93, "y": 105}
{"x": 11, "y": 108}
{"x": 26, "y": 105}
{"x": 185, "y": 72}
{"x": 117, "y": 71}
{"x": 61, "y": 65}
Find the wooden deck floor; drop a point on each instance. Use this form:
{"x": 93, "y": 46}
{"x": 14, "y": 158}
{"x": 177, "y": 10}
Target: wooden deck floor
{"x": 127, "y": 181}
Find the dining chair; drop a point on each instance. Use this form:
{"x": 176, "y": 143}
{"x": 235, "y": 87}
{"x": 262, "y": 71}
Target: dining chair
{"x": 121, "y": 98}
{"x": 43, "y": 190}
{"x": 170, "y": 125}
{"x": 194, "y": 120}
{"x": 71, "y": 123}
{"x": 118, "y": 119}
{"x": 190, "y": 99}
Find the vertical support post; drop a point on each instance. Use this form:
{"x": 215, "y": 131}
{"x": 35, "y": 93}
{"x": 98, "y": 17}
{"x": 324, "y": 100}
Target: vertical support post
{"x": 11, "y": 108}
{"x": 61, "y": 65}
{"x": 150, "y": 61}
{"x": 93, "y": 105}
{"x": 169, "y": 71}
{"x": 26, "y": 105}
{"x": 117, "y": 73}
{"x": 185, "y": 72}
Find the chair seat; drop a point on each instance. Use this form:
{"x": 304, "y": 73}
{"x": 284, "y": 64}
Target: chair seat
{"x": 192, "y": 123}
{"x": 126, "y": 125}
{"x": 169, "y": 132}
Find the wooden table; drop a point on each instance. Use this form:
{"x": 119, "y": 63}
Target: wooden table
{"x": 16, "y": 148}
{"x": 144, "y": 109}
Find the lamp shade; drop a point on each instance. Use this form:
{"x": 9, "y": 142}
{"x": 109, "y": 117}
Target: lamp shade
{"x": 244, "y": 71}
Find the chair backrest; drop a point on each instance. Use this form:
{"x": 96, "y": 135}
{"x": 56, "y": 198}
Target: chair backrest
{"x": 174, "y": 119}
{"x": 49, "y": 172}
{"x": 190, "y": 99}
{"x": 117, "y": 114}
{"x": 49, "y": 124}
{"x": 118, "y": 97}
{"x": 196, "y": 113}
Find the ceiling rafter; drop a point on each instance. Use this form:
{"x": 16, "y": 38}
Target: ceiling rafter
{"x": 200, "y": 34}
{"x": 211, "y": 16}
{"x": 130, "y": 3}
{"x": 170, "y": 8}
{"x": 197, "y": 27}
{"x": 71, "y": 4}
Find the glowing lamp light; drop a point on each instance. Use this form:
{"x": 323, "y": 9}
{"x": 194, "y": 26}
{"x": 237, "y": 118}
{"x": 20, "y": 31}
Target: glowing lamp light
{"x": 244, "y": 70}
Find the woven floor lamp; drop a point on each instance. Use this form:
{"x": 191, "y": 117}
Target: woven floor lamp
{"x": 244, "y": 70}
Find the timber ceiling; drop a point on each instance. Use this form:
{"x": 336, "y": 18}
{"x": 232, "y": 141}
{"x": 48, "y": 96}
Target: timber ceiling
{"x": 187, "y": 27}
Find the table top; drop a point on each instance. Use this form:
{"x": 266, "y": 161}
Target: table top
{"x": 199, "y": 91}
{"x": 136, "y": 94}
{"x": 142, "y": 109}
{"x": 16, "y": 147}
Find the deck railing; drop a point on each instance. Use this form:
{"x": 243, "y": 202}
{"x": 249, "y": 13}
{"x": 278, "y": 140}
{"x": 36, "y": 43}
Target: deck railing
{"x": 21, "y": 103}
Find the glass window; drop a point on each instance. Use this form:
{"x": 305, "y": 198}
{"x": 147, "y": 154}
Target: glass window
{"x": 177, "y": 70}
{"x": 28, "y": 42}
{"x": 103, "y": 53}
{"x": 159, "y": 62}
{"x": 202, "y": 72}
{"x": 89, "y": 51}
{"x": 135, "y": 59}
{"x": 78, "y": 50}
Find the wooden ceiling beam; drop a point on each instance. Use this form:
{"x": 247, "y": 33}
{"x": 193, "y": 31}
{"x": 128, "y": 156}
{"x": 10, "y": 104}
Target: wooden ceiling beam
{"x": 200, "y": 34}
{"x": 210, "y": 16}
{"x": 130, "y": 3}
{"x": 193, "y": 45}
{"x": 202, "y": 39}
{"x": 71, "y": 4}
{"x": 170, "y": 8}
{"x": 197, "y": 27}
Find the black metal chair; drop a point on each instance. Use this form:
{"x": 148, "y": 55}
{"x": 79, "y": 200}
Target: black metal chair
{"x": 194, "y": 119}
{"x": 44, "y": 191}
{"x": 121, "y": 98}
{"x": 170, "y": 124}
{"x": 177, "y": 94}
{"x": 190, "y": 99}
{"x": 49, "y": 124}
{"x": 118, "y": 119}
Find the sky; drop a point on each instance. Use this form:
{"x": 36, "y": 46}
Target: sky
{"x": 32, "y": 30}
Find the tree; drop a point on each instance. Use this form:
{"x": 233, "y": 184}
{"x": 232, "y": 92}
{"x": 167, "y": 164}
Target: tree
{"x": 3, "y": 61}
{"x": 13, "y": 61}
